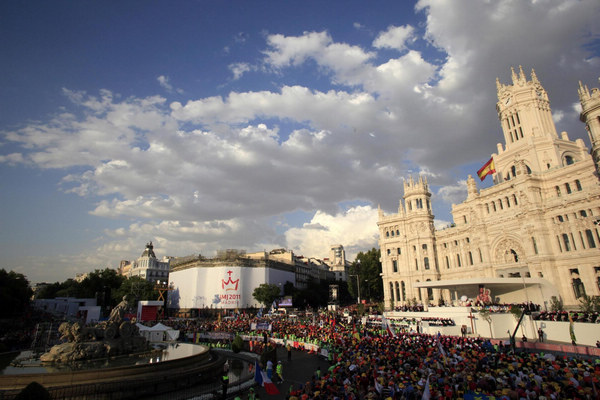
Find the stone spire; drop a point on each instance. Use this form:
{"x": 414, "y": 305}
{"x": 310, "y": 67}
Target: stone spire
{"x": 471, "y": 188}
{"x": 534, "y": 77}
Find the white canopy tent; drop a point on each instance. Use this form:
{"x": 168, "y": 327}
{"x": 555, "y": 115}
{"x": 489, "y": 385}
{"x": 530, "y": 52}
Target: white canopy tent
{"x": 158, "y": 333}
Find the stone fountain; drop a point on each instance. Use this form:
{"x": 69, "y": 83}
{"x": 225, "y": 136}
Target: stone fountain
{"x": 110, "y": 338}
{"x": 111, "y": 360}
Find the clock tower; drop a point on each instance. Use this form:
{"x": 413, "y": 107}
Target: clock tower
{"x": 590, "y": 115}
{"x": 524, "y": 110}
{"x": 531, "y": 143}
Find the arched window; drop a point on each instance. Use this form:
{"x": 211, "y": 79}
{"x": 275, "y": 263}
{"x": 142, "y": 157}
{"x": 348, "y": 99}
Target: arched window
{"x": 447, "y": 263}
{"x": 568, "y": 187}
{"x": 395, "y": 265}
{"x": 578, "y": 288}
{"x": 566, "y": 242}
{"x": 387, "y": 234}
{"x": 513, "y": 171}
{"x": 392, "y": 292}
{"x": 470, "y": 258}
{"x": 458, "y": 260}
{"x": 557, "y": 191}
{"x": 578, "y": 185}
{"x": 403, "y": 287}
{"x": 515, "y": 255}
{"x": 568, "y": 160}
{"x": 515, "y": 200}
{"x": 398, "y": 292}
{"x": 507, "y": 201}
{"x": 426, "y": 262}
{"x": 590, "y": 238}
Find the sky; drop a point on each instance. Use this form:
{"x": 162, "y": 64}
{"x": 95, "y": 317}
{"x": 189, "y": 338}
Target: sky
{"x": 206, "y": 125}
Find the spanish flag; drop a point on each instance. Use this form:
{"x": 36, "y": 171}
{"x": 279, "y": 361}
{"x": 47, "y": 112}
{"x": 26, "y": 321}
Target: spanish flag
{"x": 487, "y": 169}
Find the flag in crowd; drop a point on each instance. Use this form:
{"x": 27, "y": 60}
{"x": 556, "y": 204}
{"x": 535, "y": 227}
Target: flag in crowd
{"x": 442, "y": 351}
{"x": 385, "y": 324}
{"x": 261, "y": 378}
{"x": 572, "y": 330}
{"x": 426, "y": 391}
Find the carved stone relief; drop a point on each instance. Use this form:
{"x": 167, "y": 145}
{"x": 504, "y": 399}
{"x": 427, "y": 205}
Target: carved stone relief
{"x": 503, "y": 253}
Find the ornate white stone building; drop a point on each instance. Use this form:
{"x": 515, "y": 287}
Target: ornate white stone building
{"x": 530, "y": 236}
{"x": 147, "y": 266}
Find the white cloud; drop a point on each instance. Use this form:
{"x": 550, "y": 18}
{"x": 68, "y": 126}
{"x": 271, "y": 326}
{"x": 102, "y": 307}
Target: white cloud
{"x": 356, "y": 229}
{"x": 163, "y": 81}
{"x": 12, "y": 159}
{"x": 239, "y": 69}
{"x": 395, "y": 37}
{"x": 210, "y": 172}
{"x": 454, "y": 194}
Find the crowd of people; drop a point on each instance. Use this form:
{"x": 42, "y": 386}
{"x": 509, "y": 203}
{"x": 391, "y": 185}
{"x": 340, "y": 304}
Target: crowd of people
{"x": 367, "y": 363}
{"x": 567, "y": 316}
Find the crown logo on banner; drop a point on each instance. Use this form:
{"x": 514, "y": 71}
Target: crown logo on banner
{"x": 230, "y": 284}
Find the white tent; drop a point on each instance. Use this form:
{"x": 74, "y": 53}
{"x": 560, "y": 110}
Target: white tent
{"x": 158, "y": 333}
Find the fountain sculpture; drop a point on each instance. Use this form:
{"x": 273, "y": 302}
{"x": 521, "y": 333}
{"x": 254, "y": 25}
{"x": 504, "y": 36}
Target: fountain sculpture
{"x": 106, "y": 339}
{"x": 111, "y": 360}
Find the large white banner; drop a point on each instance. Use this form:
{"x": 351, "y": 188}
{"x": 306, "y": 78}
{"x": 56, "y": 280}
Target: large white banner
{"x": 222, "y": 286}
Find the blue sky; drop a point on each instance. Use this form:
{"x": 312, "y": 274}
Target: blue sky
{"x": 203, "y": 125}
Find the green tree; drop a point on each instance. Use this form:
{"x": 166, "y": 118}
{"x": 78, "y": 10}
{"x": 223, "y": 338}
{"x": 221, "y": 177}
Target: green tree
{"x": 136, "y": 288}
{"x": 266, "y": 294}
{"x": 48, "y": 291}
{"x": 516, "y": 311}
{"x": 367, "y": 269}
{"x": 15, "y": 293}
{"x": 316, "y": 294}
{"x": 69, "y": 288}
{"x": 103, "y": 285}
{"x": 238, "y": 344}
{"x": 589, "y": 304}
{"x": 556, "y": 304}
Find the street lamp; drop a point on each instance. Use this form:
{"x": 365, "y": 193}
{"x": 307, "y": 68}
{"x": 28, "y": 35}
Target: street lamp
{"x": 358, "y": 285}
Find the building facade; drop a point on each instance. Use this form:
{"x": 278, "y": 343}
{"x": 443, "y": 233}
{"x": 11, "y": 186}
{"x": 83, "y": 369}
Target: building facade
{"x": 147, "y": 266}
{"x": 538, "y": 220}
{"x": 226, "y": 281}
{"x": 337, "y": 262}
